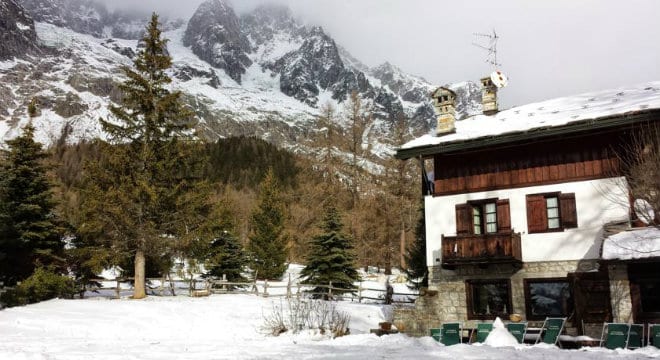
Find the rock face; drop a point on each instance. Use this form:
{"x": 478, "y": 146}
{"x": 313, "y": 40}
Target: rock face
{"x": 81, "y": 16}
{"x": 214, "y": 34}
{"x": 17, "y": 35}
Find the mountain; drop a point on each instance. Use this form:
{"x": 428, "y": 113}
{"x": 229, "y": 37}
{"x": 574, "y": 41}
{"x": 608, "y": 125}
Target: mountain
{"x": 17, "y": 35}
{"x": 262, "y": 74}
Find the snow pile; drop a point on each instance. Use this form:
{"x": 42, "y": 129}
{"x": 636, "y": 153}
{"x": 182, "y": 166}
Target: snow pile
{"x": 633, "y": 244}
{"x": 550, "y": 113}
{"x": 500, "y": 336}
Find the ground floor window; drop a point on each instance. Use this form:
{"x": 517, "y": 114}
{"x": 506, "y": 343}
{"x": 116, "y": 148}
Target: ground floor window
{"x": 645, "y": 291}
{"x": 487, "y": 299}
{"x": 548, "y": 298}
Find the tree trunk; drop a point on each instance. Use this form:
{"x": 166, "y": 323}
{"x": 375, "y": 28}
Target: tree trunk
{"x": 402, "y": 249}
{"x": 138, "y": 291}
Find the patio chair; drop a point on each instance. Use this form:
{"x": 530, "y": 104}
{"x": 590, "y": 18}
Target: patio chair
{"x": 518, "y": 330}
{"x": 550, "y": 331}
{"x": 449, "y": 334}
{"x": 614, "y": 335}
{"x": 435, "y": 334}
{"x": 635, "y": 336}
{"x": 483, "y": 329}
{"x": 654, "y": 335}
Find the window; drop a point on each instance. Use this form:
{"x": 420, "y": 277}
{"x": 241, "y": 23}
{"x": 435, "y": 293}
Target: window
{"x": 548, "y": 298}
{"x": 645, "y": 291}
{"x": 551, "y": 212}
{"x": 483, "y": 217}
{"x": 487, "y": 299}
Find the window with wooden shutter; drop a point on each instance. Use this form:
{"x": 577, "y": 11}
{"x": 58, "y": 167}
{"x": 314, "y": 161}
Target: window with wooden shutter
{"x": 537, "y": 220}
{"x": 463, "y": 219}
{"x": 568, "y": 211}
{"x": 503, "y": 215}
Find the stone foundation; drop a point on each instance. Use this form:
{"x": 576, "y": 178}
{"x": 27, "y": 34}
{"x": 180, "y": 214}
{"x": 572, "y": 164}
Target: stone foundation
{"x": 620, "y": 293}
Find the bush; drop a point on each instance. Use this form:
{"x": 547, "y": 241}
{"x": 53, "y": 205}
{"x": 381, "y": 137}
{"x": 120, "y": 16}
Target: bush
{"x": 43, "y": 284}
{"x": 303, "y": 314}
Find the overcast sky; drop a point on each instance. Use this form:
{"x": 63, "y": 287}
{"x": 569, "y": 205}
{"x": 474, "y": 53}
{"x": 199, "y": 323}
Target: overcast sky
{"x": 547, "y": 48}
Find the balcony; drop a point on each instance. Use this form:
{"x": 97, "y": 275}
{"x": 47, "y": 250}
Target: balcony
{"x": 500, "y": 248}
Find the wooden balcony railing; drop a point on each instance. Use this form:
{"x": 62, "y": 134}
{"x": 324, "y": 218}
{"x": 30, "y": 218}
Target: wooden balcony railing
{"x": 481, "y": 249}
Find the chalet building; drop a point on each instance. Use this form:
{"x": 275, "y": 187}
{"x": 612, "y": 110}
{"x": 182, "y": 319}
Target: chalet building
{"x": 521, "y": 207}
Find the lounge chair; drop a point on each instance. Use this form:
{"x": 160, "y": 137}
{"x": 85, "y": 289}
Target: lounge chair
{"x": 550, "y": 331}
{"x": 654, "y": 335}
{"x": 614, "y": 335}
{"x": 483, "y": 329}
{"x": 448, "y": 333}
{"x": 518, "y": 330}
{"x": 635, "y": 336}
{"x": 435, "y": 334}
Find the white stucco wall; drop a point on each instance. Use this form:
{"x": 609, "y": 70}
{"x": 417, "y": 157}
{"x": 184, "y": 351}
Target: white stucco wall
{"x": 597, "y": 203}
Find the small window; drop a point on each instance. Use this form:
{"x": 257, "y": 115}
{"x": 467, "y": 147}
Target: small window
{"x": 548, "y": 298}
{"x": 551, "y": 212}
{"x": 483, "y": 217}
{"x": 491, "y": 218}
{"x": 552, "y": 207}
{"x": 476, "y": 220}
{"x": 487, "y": 299}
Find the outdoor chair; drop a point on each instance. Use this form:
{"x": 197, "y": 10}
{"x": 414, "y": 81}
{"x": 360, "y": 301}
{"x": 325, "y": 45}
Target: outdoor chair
{"x": 483, "y": 329}
{"x": 654, "y": 335}
{"x": 448, "y": 334}
{"x": 518, "y": 330}
{"x": 550, "y": 331}
{"x": 614, "y": 335}
{"x": 635, "y": 336}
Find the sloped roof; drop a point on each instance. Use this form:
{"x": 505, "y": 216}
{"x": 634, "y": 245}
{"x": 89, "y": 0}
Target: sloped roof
{"x": 546, "y": 115}
{"x": 641, "y": 243}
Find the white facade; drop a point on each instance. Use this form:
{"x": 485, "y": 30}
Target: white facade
{"x": 597, "y": 202}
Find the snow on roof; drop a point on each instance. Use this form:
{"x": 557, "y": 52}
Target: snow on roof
{"x": 550, "y": 113}
{"x": 633, "y": 244}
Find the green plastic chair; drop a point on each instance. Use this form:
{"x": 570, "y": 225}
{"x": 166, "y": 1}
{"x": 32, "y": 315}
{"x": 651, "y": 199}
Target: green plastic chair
{"x": 614, "y": 335}
{"x": 635, "y": 336}
{"x": 450, "y": 334}
{"x": 483, "y": 329}
{"x": 435, "y": 334}
{"x": 550, "y": 331}
{"x": 654, "y": 335}
{"x": 518, "y": 330}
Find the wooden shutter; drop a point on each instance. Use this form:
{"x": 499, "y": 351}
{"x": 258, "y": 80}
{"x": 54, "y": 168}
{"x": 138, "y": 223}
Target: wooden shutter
{"x": 567, "y": 211}
{"x": 503, "y": 215}
{"x": 463, "y": 219}
{"x": 537, "y": 216}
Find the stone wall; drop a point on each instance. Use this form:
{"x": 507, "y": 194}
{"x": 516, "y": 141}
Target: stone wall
{"x": 446, "y": 302}
{"x": 620, "y": 293}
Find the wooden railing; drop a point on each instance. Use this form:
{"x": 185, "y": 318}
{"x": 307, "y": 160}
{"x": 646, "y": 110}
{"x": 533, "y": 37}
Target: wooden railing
{"x": 481, "y": 249}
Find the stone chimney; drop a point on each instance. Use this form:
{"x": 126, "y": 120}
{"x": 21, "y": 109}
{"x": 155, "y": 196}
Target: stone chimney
{"x": 488, "y": 96}
{"x": 444, "y": 102}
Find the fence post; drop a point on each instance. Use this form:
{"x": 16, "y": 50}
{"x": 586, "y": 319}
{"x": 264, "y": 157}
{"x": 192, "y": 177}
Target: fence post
{"x": 161, "y": 288}
{"x": 266, "y": 288}
{"x": 298, "y": 293}
{"x": 288, "y": 288}
{"x": 224, "y": 280}
{"x": 330, "y": 291}
{"x": 118, "y": 289}
{"x": 360, "y": 293}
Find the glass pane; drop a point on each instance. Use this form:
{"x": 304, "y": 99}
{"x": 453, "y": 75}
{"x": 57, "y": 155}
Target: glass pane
{"x": 553, "y": 213}
{"x": 490, "y": 298}
{"x": 491, "y": 228}
{"x": 551, "y": 202}
{"x": 553, "y": 223}
{"x": 490, "y": 208}
{"x": 477, "y": 229}
{"x": 550, "y": 298}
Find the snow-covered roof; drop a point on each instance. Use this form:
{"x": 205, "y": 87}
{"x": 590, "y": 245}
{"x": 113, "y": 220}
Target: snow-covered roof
{"x": 550, "y": 113}
{"x": 633, "y": 244}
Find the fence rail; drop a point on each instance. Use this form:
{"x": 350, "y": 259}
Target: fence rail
{"x": 165, "y": 286}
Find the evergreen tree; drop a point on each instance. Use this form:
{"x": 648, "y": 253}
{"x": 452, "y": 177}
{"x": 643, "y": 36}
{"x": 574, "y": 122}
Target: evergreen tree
{"x": 226, "y": 257}
{"x": 29, "y": 233}
{"x": 134, "y": 196}
{"x": 267, "y": 246}
{"x": 330, "y": 259}
{"x": 417, "y": 272}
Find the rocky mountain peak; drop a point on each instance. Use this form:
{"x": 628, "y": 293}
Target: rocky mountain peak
{"x": 17, "y": 34}
{"x": 267, "y": 21}
{"x": 83, "y": 16}
{"x": 214, "y": 34}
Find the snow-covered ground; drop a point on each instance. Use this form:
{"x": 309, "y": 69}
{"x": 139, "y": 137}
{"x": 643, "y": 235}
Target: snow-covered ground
{"x": 226, "y": 327}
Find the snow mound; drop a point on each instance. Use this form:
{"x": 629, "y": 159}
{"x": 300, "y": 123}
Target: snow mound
{"x": 500, "y": 336}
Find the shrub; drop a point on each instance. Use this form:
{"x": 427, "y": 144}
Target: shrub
{"x": 304, "y": 314}
{"x": 42, "y": 285}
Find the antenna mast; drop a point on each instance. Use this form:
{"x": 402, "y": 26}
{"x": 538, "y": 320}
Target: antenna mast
{"x": 491, "y": 47}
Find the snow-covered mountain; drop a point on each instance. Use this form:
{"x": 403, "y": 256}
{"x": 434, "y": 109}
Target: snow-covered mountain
{"x": 262, "y": 73}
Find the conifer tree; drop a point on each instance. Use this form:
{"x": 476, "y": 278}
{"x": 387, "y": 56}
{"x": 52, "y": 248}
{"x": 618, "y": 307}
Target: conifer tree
{"x": 133, "y": 196}
{"x": 330, "y": 259}
{"x": 267, "y": 246}
{"x": 226, "y": 257}
{"x": 29, "y": 233}
{"x": 417, "y": 272}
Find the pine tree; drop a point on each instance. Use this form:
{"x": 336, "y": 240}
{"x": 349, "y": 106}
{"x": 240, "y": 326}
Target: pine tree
{"x": 133, "y": 196}
{"x": 227, "y": 258}
{"x": 417, "y": 271}
{"x": 267, "y": 246}
{"x": 29, "y": 232}
{"x": 330, "y": 259}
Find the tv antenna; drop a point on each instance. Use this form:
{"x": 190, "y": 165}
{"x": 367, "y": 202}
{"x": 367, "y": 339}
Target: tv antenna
{"x": 491, "y": 47}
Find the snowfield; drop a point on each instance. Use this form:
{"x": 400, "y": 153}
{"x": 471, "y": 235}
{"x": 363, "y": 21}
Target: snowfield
{"x": 226, "y": 327}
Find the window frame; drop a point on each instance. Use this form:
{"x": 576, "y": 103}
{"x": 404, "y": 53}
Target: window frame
{"x": 483, "y": 216}
{"x": 566, "y": 206}
{"x": 469, "y": 298}
{"x": 528, "y": 297}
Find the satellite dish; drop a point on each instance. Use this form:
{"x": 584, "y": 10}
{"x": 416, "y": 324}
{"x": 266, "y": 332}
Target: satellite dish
{"x": 499, "y": 79}
{"x": 644, "y": 211}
